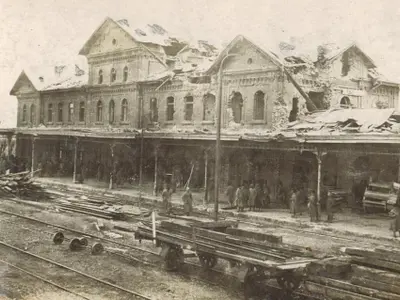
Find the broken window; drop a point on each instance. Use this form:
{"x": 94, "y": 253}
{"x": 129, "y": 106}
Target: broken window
{"x": 50, "y": 112}
{"x": 237, "y": 107}
{"x": 70, "y": 111}
{"x": 295, "y": 110}
{"x": 24, "y": 113}
{"x": 345, "y": 63}
{"x": 188, "y": 108}
{"x": 113, "y": 75}
{"x": 170, "y": 109}
{"x": 125, "y": 74}
{"x": 124, "y": 110}
{"x": 209, "y": 107}
{"x": 100, "y": 81}
{"x": 153, "y": 110}
{"x": 259, "y": 105}
{"x": 82, "y": 111}
{"x": 345, "y": 102}
{"x": 111, "y": 112}
{"x": 99, "y": 112}
{"x": 33, "y": 114}
{"x": 60, "y": 112}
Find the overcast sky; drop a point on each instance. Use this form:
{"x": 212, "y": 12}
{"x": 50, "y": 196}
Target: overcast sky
{"x": 46, "y": 31}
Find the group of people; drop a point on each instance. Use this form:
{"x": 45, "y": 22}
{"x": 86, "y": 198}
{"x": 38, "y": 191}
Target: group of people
{"x": 252, "y": 196}
{"x": 187, "y": 199}
{"x": 299, "y": 197}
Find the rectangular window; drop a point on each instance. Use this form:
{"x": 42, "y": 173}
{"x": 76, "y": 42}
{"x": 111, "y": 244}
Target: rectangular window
{"x": 50, "y": 113}
{"x": 153, "y": 110}
{"x": 188, "y": 108}
{"x": 170, "y": 109}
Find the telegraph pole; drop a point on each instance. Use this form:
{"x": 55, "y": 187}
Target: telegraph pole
{"x": 218, "y": 137}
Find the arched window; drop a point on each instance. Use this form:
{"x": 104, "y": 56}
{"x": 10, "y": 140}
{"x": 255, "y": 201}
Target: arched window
{"x": 124, "y": 110}
{"x": 111, "y": 112}
{"x": 70, "y": 112}
{"x": 236, "y": 103}
{"x": 153, "y": 110}
{"x": 209, "y": 107}
{"x": 100, "y": 77}
{"x": 188, "y": 108}
{"x": 24, "y": 113}
{"x": 125, "y": 74}
{"x": 99, "y": 111}
{"x": 50, "y": 112}
{"x": 60, "y": 112}
{"x": 113, "y": 75}
{"x": 82, "y": 111}
{"x": 345, "y": 102}
{"x": 33, "y": 114}
{"x": 259, "y": 106}
{"x": 170, "y": 108}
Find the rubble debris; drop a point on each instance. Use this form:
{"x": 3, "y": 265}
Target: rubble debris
{"x": 21, "y": 185}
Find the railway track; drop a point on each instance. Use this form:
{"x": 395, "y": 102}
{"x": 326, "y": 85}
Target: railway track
{"x": 219, "y": 277}
{"x": 3, "y": 244}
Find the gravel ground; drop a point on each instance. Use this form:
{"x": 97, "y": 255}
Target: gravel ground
{"x": 36, "y": 238}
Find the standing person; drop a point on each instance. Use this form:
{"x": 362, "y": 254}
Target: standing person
{"x": 259, "y": 197}
{"x": 245, "y": 194}
{"x": 312, "y": 206}
{"x": 230, "y": 194}
{"x": 187, "y": 201}
{"x": 239, "y": 198}
{"x": 293, "y": 202}
{"x": 330, "y": 202}
{"x": 266, "y": 195}
{"x": 165, "y": 195}
{"x": 252, "y": 197}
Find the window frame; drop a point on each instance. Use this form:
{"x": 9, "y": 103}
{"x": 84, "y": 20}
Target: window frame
{"x": 111, "y": 108}
{"x": 82, "y": 111}
{"x": 100, "y": 77}
{"x": 49, "y": 112}
{"x": 189, "y": 104}
{"x": 170, "y": 108}
{"x": 258, "y": 103}
{"x": 125, "y": 74}
{"x": 124, "y": 110}
{"x": 60, "y": 112}
{"x": 113, "y": 75}
{"x": 71, "y": 111}
{"x": 99, "y": 111}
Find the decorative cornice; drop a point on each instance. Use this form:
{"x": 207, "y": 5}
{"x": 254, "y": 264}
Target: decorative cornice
{"x": 112, "y": 89}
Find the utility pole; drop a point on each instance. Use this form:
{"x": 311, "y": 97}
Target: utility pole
{"x": 218, "y": 137}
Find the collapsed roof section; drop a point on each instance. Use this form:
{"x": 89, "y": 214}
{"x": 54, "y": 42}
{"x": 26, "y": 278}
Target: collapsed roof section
{"x": 55, "y": 77}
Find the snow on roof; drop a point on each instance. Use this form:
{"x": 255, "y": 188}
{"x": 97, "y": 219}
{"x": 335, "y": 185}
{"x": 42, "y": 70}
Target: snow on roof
{"x": 58, "y": 76}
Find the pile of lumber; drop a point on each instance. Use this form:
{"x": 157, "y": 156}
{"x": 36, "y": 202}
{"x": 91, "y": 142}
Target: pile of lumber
{"x": 22, "y": 186}
{"x": 234, "y": 244}
{"x": 364, "y": 274}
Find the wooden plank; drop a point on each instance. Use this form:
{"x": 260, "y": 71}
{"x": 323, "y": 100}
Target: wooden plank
{"x": 376, "y": 263}
{"x": 259, "y": 236}
{"x": 333, "y": 293}
{"x": 376, "y": 275}
{"x": 347, "y": 286}
{"x": 377, "y": 285}
{"x": 383, "y": 255}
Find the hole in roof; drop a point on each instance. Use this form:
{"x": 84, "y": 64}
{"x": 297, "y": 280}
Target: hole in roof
{"x": 140, "y": 32}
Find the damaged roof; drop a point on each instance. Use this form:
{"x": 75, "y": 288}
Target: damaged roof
{"x": 73, "y": 74}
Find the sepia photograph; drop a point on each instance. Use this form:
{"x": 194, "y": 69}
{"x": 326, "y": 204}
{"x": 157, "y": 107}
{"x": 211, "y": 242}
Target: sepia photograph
{"x": 199, "y": 150}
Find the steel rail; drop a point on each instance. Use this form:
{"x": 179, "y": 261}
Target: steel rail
{"x": 44, "y": 280}
{"x": 75, "y": 271}
{"x": 76, "y": 231}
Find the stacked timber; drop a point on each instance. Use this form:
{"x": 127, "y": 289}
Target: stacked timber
{"x": 22, "y": 186}
{"x": 233, "y": 245}
{"x": 363, "y": 274}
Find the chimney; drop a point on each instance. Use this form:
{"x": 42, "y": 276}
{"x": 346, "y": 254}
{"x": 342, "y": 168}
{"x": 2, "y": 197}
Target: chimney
{"x": 41, "y": 78}
{"x": 58, "y": 70}
{"x": 124, "y": 22}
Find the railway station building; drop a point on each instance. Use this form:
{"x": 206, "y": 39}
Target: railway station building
{"x": 143, "y": 108}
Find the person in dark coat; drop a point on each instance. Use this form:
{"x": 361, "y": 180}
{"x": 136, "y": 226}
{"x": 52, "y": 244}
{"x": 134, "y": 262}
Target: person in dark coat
{"x": 166, "y": 198}
{"x": 259, "y": 197}
{"x": 245, "y": 194}
{"x": 187, "y": 202}
{"x": 230, "y": 194}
